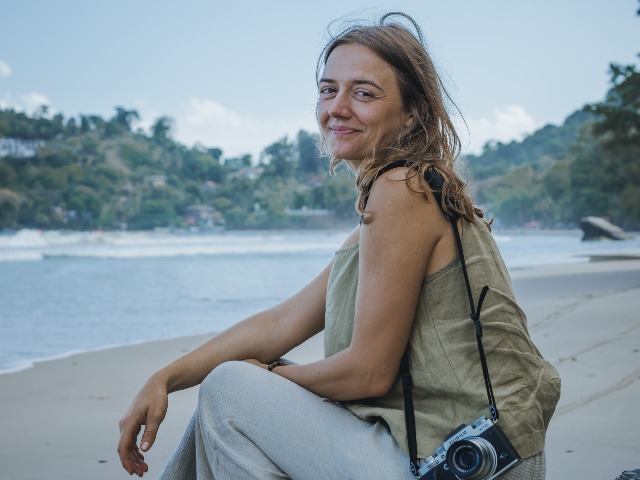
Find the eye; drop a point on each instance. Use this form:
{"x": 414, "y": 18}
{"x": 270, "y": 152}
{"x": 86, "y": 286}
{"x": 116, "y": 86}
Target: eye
{"x": 327, "y": 90}
{"x": 363, "y": 94}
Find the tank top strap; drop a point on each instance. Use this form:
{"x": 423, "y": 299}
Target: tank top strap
{"x": 383, "y": 170}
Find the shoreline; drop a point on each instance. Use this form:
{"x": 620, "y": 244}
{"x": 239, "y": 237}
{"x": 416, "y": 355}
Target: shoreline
{"x": 72, "y": 353}
{"x": 580, "y": 259}
{"x": 59, "y": 419}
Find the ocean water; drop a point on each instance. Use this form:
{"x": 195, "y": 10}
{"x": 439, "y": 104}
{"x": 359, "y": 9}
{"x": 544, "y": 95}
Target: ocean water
{"x": 67, "y": 292}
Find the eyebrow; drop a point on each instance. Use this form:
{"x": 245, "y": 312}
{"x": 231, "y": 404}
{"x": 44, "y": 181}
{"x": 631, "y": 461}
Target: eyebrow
{"x": 353, "y": 82}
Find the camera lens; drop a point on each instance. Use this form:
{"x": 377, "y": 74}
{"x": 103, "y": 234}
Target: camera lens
{"x": 467, "y": 458}
{"x": 472, "y": 458}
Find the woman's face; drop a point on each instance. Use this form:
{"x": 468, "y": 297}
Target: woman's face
{"x": 360, "y": 107}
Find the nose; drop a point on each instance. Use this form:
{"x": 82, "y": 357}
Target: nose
{"x": 339, "y": 106}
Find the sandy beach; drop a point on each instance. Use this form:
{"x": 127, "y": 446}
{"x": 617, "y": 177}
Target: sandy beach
{"x": 59, "y": 420}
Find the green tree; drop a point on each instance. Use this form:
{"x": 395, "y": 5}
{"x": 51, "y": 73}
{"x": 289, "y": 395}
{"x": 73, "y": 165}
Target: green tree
{"x": 216, "y": 154}
{"x": 8, "y": 176}
{"x": 200, "y": 166}
{"x": 238, "y": 163}
{"x": 514, "y": 197}
{"x": 121, "y": 122}
{"x": 309, "y": 160}
{"x": 606, "y": 176}
{"x": 9, "y": 208}
{"x": 339, "y": 195}
{"x": 279, "y": 159}
{"x": 72, "y": 127}
{"x": 90, "y": 123}
{"x": 86, "y": 202}
{"x": 125, "y": 117}
{"x": 619, "y": 115}
{"x": 154, "y": 213}
{"x": 556, "y": 194}
{"x": 162, "y": 130}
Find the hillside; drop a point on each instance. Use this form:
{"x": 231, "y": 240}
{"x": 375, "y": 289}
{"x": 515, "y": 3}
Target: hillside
{"x": 539, "y": 149}
{"x": 95, "y": 173}
{"x": 99, "y": 174}
{"x": 589, "y": 165}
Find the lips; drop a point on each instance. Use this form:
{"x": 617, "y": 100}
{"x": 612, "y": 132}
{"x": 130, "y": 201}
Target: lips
{"x": 343, "y": 130}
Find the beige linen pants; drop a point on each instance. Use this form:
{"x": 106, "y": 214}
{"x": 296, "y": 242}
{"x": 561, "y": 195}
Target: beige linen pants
{"x": 254, "y": 424}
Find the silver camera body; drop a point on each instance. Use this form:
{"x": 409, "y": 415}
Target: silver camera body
{"x": 480, "y": 451}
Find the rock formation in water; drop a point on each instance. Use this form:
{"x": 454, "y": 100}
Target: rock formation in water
{"x": 597, "y": 228}
{"x": 630, "y": 475}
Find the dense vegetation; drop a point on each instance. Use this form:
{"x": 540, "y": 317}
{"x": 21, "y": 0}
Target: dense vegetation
{"x": 588, "y": 166}
{"x": 91, "y": 172}
{"x": 97, "y": 173}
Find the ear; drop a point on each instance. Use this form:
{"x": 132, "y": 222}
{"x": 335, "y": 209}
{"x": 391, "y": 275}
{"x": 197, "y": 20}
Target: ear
{"x": 409, "y": 120}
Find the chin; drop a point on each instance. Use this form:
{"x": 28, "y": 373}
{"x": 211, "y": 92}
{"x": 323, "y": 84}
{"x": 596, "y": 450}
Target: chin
{"x": 347, "y": 155}
{"x": 350, "y": 160}
{"x": 343, "y": 151}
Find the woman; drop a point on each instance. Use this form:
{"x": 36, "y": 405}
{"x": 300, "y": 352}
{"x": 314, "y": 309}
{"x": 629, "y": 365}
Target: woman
{"x": 396, "y": 282}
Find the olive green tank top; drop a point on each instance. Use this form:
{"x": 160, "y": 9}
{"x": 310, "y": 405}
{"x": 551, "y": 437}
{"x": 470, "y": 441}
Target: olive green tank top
{"x": 449, "y": 388}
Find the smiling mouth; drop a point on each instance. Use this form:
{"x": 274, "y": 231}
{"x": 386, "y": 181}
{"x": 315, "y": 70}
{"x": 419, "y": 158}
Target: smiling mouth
{"x": 343, "y": 130}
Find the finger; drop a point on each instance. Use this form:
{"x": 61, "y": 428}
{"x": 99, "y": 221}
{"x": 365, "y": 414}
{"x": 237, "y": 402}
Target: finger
{"x": 124, "y": 454}
{"x": 136, "y": 453}
{"x": 255, "y": 362}
{"x": 150, "y": 431}
{"x": 130, "y": 460}
{"x": 127, "y": 443}
{"x": 139, "y": 465}
{"x": 148, "y": 438}
{"x": 134, "y": 461}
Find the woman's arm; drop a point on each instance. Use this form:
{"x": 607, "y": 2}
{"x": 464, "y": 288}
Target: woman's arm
{"x": 406, "y": 238}
{"x": 265, "y": 336}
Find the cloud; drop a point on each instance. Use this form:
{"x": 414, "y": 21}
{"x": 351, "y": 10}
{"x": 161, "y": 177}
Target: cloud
{"x": 214, "y": 125}
{"x": 509, "y": 123}
{"x": 148, "y": 115}
{"x": 26, "y": 102}
{"x": 5, "y": 69}
{"x": 34, "y": 100}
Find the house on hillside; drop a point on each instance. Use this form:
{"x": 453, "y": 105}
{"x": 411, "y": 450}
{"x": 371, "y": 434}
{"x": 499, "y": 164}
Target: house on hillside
{"x": 203, "y": 217}
{"x": 19, "y": 148}
{"x": 250, "y": 173}
{"x": 158, "y": 181}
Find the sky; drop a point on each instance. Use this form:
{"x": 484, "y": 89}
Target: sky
{"x": 240, "y": 75}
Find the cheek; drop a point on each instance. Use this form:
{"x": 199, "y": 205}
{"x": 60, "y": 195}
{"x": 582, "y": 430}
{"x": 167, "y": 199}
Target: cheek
{"x": 396, "y": 121}
{"x": 321, "y": 114}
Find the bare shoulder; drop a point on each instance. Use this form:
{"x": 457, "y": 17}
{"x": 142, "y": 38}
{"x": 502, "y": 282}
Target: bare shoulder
{"x": 402, "y": 191}
{"x": 405, "y": 218}
{"x": 352, "y": 238}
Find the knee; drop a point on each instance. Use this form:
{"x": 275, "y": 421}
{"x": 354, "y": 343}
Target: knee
{"x": 226, "y": 393}
{"x": 224, "y": 384}
{"x": 220, "y": 378}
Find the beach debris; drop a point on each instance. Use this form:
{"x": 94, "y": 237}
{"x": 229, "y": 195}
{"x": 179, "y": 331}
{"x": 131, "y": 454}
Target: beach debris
{"x": 598, "y": 228}
{"x": 630, "y": 475}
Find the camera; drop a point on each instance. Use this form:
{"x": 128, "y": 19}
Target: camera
{"x": 480, "y": 451}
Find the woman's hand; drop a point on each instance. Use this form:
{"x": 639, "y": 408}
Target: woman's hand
{"x": 269, "y": 334}
{"x": 257, "y": 363}
{"x": 149, "y": 409}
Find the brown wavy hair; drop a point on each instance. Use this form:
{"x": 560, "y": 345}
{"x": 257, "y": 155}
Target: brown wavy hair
{"x": 431, "y": 141}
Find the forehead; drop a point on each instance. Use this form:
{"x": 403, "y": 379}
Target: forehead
{"x": 355, "y": 61}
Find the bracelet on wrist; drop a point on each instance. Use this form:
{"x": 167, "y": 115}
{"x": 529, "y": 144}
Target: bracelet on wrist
{"x": 278, "y": 363}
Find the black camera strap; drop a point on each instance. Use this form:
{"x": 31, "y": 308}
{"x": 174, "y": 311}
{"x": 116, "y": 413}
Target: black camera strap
{"x": 475, "y": 317}
{"x": 436, "y": 183}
